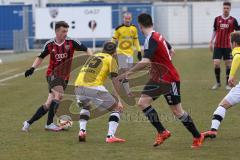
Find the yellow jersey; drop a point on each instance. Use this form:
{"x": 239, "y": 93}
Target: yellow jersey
{"x": 127, "y": 37}
{"x": 96, "y": 69}
{"x": 235, "y": 62}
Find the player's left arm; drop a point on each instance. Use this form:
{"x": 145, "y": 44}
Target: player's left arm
{"x": 137, "y": 45}
{"x": 234, "y": 68}
{"x": 78, "y": 46}
{"x": 235, "y": 24}
{"x": 170, "y": 48}
{"x": 236, "y": 27}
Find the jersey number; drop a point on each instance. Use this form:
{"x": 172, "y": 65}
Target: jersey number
{"x": 94, "y": 62}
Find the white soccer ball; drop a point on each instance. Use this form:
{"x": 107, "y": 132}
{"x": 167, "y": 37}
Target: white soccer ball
{"x": 1, "y": 62}
{"x": 65, "y": 122}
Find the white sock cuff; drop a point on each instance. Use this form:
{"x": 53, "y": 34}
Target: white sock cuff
{"x": 117, "y": 114}
{"x": 85, "y": 112}
{"x": 220, "y": 111}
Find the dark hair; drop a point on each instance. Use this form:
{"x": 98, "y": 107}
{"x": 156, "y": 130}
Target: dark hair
{"x": 145, "y": 20}
{"x": 61, "y": 24}
{"x": 227, "y": 3}
{"x": 235, "y": 37}
{"x": 109, "y": 47}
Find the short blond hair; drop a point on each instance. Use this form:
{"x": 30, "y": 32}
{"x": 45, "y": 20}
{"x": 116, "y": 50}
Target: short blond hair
{"x": 127, "y": 14}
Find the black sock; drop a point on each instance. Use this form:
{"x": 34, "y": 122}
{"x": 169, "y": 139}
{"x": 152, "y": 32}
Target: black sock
{"x": 227, "y": 74}
{"x": 153, "y": 118}
{"x": 52, "y": 110}
{"x": 188, "y": 123}
{"x": 39, "y": 113}
{"x": 217, "y": 74}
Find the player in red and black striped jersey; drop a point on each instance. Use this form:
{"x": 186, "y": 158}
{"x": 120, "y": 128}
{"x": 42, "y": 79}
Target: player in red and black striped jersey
{"x": 61, "y": 50}
{"x": 164, "y": 80}
{"x": 223, "y": 26}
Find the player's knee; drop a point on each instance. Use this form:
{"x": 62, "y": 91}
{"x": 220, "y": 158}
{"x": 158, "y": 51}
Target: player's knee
{"x": 59, "y": 96}
{"x": 178, "y": 113}
{"x": 228, "y": 64}
{"x": 46, "y": 106}
{"x": 216, "y": 63}
{"x": 225, "y": 104}
{"x": 177, "y": 110}
{"x": 142, "y": 105}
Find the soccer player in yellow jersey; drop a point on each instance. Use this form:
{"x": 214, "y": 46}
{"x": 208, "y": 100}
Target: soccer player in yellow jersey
{"x": 126, "y": 36}
{"x": 90, "y": 88}
{"x": 233, "y": 97}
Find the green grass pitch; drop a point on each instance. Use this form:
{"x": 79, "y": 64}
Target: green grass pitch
{"x": 19, "y": 98}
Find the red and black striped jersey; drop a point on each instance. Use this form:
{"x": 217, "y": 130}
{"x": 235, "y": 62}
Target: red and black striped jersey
{"x": 223, "y": 28}
{"x": 61, "y": 56}
{"x": 156, "y": 49}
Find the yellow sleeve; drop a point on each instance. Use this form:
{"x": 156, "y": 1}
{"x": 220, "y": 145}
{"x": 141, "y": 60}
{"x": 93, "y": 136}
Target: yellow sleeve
{"x": 113, "y": 66}
{"x": 235, "y": 65}
{"x": 136, "y": 41}
{"x": 115, "y": 36}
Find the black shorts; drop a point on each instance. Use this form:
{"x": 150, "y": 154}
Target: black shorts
{"x": 224, "y": 53}
{"x": 56, "y": 81}
{"x": 171, "y": 91}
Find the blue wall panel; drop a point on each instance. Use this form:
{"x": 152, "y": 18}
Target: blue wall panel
{"x": 11, "y": 19}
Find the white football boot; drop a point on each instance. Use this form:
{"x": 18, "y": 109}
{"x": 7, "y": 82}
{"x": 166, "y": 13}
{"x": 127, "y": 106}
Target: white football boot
{"x": 216, "y": 86}
{"x": 52, "y": 127}
{"x": 26, "y": 126}
{"x": 228, "y": 87}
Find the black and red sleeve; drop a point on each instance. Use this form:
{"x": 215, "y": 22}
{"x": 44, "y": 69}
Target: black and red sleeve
{"x": 215, "y": 24}
{"x": 150, "y": 49}
{"x": 235, "y": 24}
{"x": 78, "y": 46}
{"x": 45, "y": 51}
{"x": 168, "y": 45}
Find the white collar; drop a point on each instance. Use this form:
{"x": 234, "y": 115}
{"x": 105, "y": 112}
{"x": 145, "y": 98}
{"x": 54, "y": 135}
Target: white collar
{"x": 58, "y": 43}
{"x": 226, "y": 17}
{"x": 150, "y": 34}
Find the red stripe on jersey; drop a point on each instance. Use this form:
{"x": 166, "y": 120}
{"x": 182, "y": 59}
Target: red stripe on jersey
{"x": 49, "y": 70}
{"x": 60, "y": 59}
{"x": 59, "y": 69}
{"x": 226, "y": 43}
{"x": 223, "y": 37}
{"x": 217, "y": 34}
{"x": 224, "y": 28}
{"x": 71, "y": 47}
{"x": 162, "y": 68}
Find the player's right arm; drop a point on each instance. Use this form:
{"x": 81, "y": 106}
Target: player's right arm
{"x": 115, "y": 35}
{"x": 213, "y": 35}
{"x": 234, "y": 68}
{"x": 113, "y": 68}
{"x": 37, "y": 62}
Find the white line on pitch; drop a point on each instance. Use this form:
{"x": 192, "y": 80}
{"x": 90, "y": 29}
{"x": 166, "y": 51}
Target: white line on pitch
{"x": 9, "y": 71}
{"x": 19, "y": 74}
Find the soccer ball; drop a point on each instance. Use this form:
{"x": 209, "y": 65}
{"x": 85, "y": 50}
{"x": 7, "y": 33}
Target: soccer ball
{"x": 65, "y": 122}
